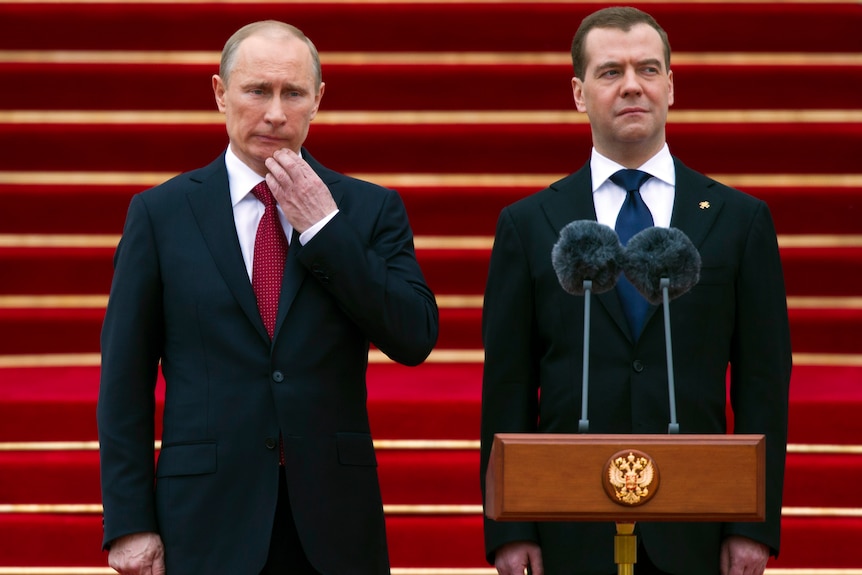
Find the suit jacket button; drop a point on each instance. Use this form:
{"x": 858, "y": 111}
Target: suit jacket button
{"x": 270, "y": 443}
{"x": 638, "y": 366}
{"x": 320, "y": 272}
{"x": 277, "y": 376}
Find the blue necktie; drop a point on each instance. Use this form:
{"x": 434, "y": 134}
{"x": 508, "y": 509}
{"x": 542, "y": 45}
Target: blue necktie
{"x": 634, "y": 216}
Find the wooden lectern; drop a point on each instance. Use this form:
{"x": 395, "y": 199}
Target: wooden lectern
{"x": 625, "y": 479}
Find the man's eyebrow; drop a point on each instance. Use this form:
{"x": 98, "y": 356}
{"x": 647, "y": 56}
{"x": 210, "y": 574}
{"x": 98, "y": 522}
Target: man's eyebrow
{"x": 652, "y": 61}
{"x": 256, "y": 84}
{"x": 645, "y": 62}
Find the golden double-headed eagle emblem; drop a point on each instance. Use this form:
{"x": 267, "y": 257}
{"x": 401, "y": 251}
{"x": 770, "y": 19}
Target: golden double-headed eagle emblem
{"x": 629, "y": 476}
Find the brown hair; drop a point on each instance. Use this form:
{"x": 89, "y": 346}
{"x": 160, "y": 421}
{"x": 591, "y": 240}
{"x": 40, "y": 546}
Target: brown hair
{"x": 228, "y": 54}
{"x": 619, "y": 17}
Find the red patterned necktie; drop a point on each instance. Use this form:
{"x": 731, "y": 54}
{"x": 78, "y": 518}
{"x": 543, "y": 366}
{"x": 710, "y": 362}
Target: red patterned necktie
{"x": 267, "y": 268}
{"x": 270, "y": 251}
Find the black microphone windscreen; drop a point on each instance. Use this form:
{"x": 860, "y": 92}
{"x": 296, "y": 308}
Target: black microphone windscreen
{"x": 587, "y": 250}
{"x": 656, "y": 253}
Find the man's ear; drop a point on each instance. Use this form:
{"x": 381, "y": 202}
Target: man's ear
{"x": 578, "y": 93}
{"x": 219, "y": 89}
{"x": 670, "y": 88}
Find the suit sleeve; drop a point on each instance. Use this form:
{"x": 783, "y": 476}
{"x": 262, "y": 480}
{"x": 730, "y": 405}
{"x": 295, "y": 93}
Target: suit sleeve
{"x": 510, "y": 381}
{"x": 760, "y": 366}
{"x": 376, "y": 279}
{"x": 131, "y": 343}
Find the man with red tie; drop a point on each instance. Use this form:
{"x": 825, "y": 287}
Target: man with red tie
{"x": 257, "y": 283}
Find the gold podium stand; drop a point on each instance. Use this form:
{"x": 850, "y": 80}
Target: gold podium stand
{"x": 625, "y": 479}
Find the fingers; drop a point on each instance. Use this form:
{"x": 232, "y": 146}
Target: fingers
{"x": 519, "y": 558}
{"x": 302, "y": 195}
{"x": 287, "y": 169}
{"x": 138, "y": 554}
{"x": 743, "y": 556}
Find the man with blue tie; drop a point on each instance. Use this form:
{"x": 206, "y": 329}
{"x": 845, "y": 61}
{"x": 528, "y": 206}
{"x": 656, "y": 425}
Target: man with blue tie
{"x": 256, "y": 284}
{"x": 733, "y": 321}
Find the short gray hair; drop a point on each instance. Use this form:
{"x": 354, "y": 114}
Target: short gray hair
{"x": 228, "y": 54}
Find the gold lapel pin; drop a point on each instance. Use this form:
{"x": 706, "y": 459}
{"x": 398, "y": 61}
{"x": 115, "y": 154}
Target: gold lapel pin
{"x": 704, "y": 205}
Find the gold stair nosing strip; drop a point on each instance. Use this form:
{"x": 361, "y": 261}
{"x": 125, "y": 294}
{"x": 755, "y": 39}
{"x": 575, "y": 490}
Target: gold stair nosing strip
{"x": 398, "y": 445}
{"x": 444, "y": 301}
{"x": 420, "y": 2}
{"x": 533, "y": 182}
{"x": 397, "y": 571}
{"x": 392, "y": 509}
{"x": 438, "y": 356}
{"x": 480, "y": 243}
{"x": 561, "y": 58}
{"x": 424, "y": 117}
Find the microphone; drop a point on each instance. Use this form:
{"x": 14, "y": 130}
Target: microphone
{"x": 587, "y": 250}
{"x": 663, "y": 264}
{"x": 656, "y": 253}
{"x": 587, "y": 258}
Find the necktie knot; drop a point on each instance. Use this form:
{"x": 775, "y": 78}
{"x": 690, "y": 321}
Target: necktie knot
{"x": 630, "y": 180}
{"x": 264, "y": 194}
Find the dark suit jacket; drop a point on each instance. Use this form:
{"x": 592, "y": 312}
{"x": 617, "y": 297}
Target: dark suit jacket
{"x": 181, "y": 296}
{"x": 736, "y": 315}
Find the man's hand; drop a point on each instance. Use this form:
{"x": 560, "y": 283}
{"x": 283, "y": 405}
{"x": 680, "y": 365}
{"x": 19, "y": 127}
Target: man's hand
{"x": 302, "y": 195}
{"x": 138, "y": 554}
{"x": 743, "y": 556}
{"x": 518, "y": 558}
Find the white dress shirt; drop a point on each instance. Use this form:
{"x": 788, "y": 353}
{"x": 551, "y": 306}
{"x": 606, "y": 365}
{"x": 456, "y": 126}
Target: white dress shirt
{"x": 248, "y": 210}
{"x": 657, "y": 192}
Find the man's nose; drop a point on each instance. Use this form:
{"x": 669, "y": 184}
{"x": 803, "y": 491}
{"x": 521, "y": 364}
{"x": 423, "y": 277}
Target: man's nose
{"x": 275, "y": 112}
{"x": 631, "y": 83}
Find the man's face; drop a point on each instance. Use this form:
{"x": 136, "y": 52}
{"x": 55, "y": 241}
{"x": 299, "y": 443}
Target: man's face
{"x": 269, "y": 98}
{"x": 626, "y": 91}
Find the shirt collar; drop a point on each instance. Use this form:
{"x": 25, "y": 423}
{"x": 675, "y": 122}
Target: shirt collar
{"x": 240, "y": 177}
{"x": 659, "y": 166}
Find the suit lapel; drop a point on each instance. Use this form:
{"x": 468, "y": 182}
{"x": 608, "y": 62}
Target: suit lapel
{"x": 294, "y": 272}
{"x": 211, "y": 205}
{"x": 696, "y": 204}
{"x": 574, "y": 201}
{"x": 695, "y": 207}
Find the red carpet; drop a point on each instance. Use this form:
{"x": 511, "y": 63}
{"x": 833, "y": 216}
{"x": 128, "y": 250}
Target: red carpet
{"x": 489, "y": 118}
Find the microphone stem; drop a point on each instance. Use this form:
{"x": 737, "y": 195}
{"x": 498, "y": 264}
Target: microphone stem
{"x": 673, "y": 427}
{"x": 584, "y": 423}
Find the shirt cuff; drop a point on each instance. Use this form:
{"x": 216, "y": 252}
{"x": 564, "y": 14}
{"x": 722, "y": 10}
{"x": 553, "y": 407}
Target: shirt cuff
{"x": 306, "y": 236}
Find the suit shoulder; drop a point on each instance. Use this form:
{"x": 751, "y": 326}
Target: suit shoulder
{"x": 688, "y": 178}
{"x": 535, "y": 200}
{"x": 344, "y": 186}
{"x": 364, "y": 186}
{"x": 174, "y": 188}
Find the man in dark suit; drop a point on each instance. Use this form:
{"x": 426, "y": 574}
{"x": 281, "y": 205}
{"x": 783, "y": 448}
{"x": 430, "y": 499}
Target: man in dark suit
{"x": 267, "y": 463}
{"x": 735, "y": 317}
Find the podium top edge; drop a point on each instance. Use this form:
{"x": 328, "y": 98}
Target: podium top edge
{"x": 627, "y": 439}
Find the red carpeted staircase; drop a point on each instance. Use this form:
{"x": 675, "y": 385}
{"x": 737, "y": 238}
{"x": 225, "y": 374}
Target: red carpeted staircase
{"x": 463, "y": 107}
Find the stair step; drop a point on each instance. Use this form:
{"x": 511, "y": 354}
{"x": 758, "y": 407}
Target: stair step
{"x": 407, "y": 477}
{"x": 831, "y": 27}
{"x": 388, "y": 87}
{"x": 433, "y": 211}
{"x": 74, "y": 540}
{"x": 432, "y": 401}
{"x": 35, "y": 331}
{"x": 86, "y": 271}
{"x": 786, "y": 148}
